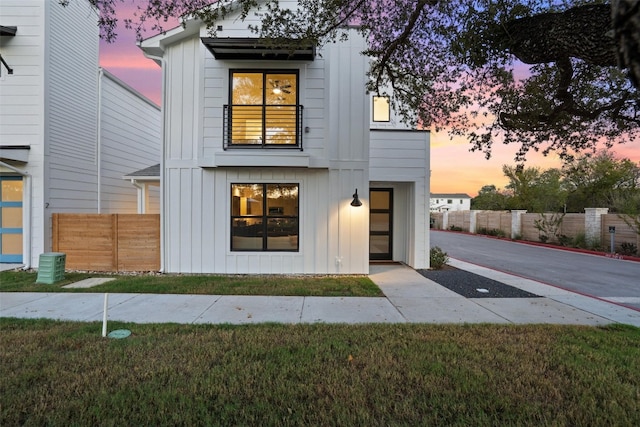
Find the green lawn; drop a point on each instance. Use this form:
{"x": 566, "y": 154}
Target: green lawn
{"x": 20, "y": 281}
{"x": 65, "y": 373}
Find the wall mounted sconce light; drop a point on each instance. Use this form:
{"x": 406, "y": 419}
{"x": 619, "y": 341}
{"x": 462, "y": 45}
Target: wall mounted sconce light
{"x": 356, "y": 201}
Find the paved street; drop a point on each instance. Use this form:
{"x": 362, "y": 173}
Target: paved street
{"x": 611, "y": 279}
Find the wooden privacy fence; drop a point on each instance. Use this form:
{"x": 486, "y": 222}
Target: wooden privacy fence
{"x": 108, "y": 242}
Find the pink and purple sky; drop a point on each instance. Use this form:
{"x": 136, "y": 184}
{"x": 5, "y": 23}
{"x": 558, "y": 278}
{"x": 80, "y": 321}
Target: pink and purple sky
{"x": 454, "y": 169}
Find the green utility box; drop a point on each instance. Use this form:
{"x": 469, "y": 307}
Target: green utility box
{"x": 51, "y": 267}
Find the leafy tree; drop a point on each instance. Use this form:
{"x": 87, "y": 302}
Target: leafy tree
{"x": 534, "y": 190}
{"x": 490, "y": 198}
{"x": 454, "y": 63}
{"x": 602, "y": 180}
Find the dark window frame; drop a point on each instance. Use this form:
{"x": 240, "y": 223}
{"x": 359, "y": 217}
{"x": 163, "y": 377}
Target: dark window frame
{"x": 229, "y": 108}
{"x": 267, "y": 214}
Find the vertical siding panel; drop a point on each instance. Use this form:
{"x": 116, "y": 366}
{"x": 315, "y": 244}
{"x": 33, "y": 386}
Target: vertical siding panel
{"x": 173, "y": 205}
{"x": 208, "y": 241}
{"x": 196, "y": 221}
{"x": 221, "y": 218}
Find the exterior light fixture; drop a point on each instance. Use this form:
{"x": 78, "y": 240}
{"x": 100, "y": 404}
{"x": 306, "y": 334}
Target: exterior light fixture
{"x": 356, "y": 201}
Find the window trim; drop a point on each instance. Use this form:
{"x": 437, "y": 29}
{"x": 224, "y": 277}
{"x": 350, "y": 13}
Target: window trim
{"x": 228, "y": 113}
{"x": 264, "y": 217}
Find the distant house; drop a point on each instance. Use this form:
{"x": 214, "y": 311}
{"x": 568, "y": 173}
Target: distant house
{"x": 69, "y": 131}
{"x": 281, "y": 162}
{"x": 441, "y": 202}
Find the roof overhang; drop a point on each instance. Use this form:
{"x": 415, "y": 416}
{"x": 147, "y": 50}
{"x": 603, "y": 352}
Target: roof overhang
{"x": 258, "y": 49}
{"x": 15, "y": 153}
{"x": 8, "y": 31}
{"x": 152, "y": 173}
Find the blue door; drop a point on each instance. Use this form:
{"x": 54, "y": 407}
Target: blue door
{"x": 11, "y": 190}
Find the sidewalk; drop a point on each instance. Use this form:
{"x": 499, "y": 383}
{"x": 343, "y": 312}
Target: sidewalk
{"x": 410, "y": 298}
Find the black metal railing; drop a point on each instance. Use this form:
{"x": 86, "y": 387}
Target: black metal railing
{"x": 262, "y": 126}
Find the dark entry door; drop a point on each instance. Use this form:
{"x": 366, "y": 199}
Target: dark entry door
{"x": 380, "y": 223}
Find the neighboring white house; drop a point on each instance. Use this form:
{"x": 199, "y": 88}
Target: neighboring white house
{"x": 264, "y": 151}
{"x": 69, "y": 131}
{"x": 441, "y": 202}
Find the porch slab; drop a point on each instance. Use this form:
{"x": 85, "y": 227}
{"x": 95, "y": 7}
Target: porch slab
{"x": 399, "y": 281}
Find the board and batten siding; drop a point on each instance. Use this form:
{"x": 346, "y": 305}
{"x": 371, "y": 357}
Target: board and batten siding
{"x": 22, "y": 101}
{"x": 21, "y": 109}
{"x": 196, "y": 192}
{"x": 130, "y": 140}
{"x": 400, "y": 160}
{"x": 198, "y": 222}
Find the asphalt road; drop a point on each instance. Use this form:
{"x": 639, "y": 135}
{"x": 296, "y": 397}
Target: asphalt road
{"x": 608, "y": 278}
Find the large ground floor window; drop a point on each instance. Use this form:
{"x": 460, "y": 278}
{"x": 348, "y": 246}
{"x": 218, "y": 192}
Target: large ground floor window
{"x": 264, "y": 217}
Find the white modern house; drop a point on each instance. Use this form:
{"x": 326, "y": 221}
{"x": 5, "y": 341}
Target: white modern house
{"x": 69, "y": 131}
{"x": 280, "y": 162}
{"x": 444, "y": 202}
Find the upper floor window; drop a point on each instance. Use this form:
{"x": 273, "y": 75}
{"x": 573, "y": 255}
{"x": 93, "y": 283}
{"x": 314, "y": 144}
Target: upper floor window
{"x": 263, "y": 109}
{"x": 449, "y": 201}
{"x": 381, "y": 110}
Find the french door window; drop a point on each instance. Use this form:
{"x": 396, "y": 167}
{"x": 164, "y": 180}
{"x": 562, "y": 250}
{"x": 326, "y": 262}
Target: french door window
{"x": 263, "y": 109}
{"x": 264, "y": 217}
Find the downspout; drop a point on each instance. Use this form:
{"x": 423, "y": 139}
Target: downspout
{"x": 141, "y": 196}
{"x": 26, "y": 214}
{"x": 99, "y": 142}
{"x": 162, "y": 153}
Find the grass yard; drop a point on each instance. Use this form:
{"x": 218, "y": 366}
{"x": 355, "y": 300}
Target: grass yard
{"x": 65, "y": 373}
{"x": 347, "y": 286}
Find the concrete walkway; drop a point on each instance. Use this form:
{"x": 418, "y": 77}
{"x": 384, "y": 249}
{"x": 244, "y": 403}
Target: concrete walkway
{"x": 409, "y": 298}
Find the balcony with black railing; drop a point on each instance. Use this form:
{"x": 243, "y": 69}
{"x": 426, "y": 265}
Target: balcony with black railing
{"x": 262, "y": 126}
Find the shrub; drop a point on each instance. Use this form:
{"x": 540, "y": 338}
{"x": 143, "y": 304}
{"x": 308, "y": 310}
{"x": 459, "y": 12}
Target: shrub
{"x": 628, "y": 248}
{"x": 438, "y": 258}
{"x": 580, "y": 241}
{"x": 455, "y": 228}
{"x": 496, "y": 232}
{"x": 548, "y": 226}
{"x": 564, "y": 240}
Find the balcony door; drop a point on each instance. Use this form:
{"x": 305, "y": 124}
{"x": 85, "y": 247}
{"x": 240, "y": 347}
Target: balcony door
{"x": 380, "y": 224}
{"x": 264, "y": 109}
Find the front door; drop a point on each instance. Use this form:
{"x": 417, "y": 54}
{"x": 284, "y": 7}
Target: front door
{"x": 11, "y": 219}
{"x": 380, "y": 223}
